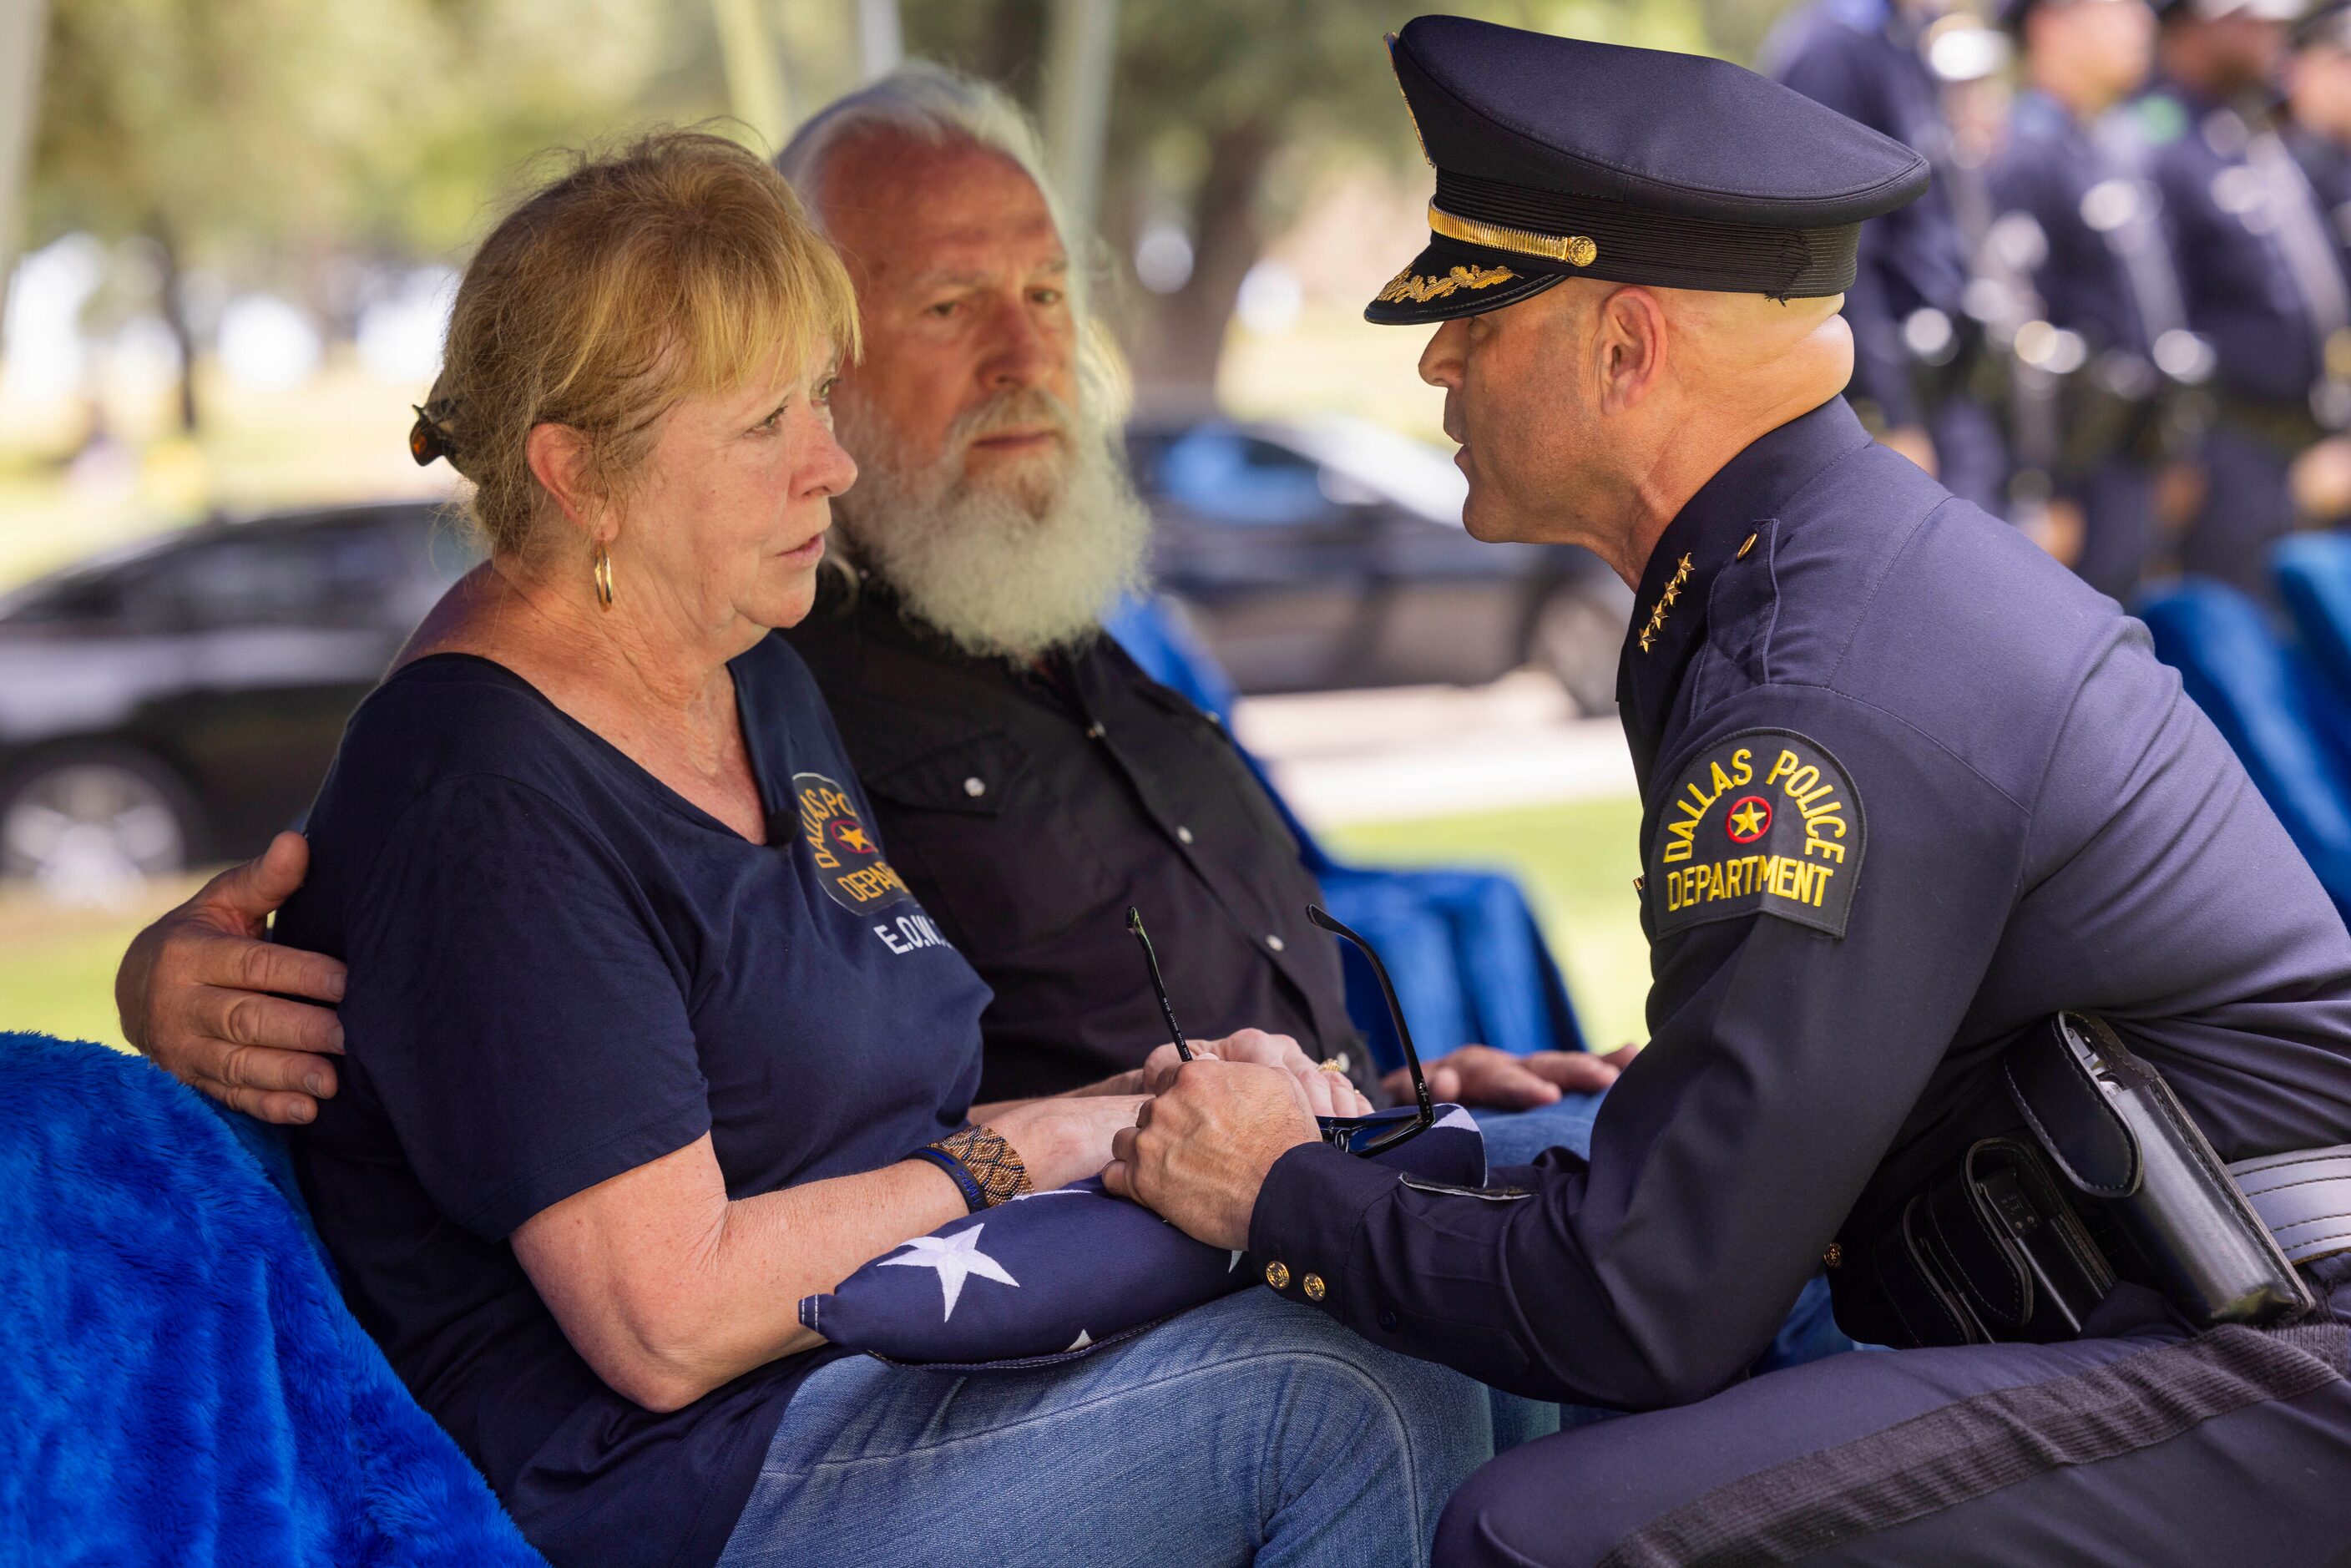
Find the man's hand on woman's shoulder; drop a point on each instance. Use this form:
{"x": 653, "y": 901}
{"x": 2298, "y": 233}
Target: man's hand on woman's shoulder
{"x": 205, "y": 996}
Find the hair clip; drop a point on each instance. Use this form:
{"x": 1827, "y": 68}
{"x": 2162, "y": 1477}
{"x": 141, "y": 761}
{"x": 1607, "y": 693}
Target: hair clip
{"x": 427, "y": 440}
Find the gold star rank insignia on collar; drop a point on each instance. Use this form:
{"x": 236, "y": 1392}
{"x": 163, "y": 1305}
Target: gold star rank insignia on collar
{"x": 1673, "y": 591}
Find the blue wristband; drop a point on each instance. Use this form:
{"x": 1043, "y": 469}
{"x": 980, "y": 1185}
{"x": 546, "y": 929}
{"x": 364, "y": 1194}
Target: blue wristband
{"x": 974, "y": 1197}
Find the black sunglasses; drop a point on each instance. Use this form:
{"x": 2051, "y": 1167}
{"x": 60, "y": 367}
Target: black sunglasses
{"x": 1371, "y": 1134}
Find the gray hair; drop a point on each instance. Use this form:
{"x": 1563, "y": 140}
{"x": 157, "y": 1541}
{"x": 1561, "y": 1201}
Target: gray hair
{"x": 943, "y": 107}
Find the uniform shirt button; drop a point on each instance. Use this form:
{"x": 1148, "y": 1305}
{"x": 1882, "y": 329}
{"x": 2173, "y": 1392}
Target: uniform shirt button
{"x": 1387, "y": 1320}
{"x": 1182, "y": 834}
{"x": 1095, "y": 732}
{"x": 1313, "y": 1283}
{"x": 975, "y": 787}
{"x": 1277, "y": 1276}
{"x": 1276, "y": 943}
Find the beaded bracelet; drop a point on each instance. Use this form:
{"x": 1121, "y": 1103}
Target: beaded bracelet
{"x": 983, "y": 1165}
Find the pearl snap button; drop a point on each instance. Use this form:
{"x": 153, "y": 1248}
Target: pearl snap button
{"x": 1276, "y": 943}
{"x": 975, "y": 788}
{"x": 1183, "y": 835}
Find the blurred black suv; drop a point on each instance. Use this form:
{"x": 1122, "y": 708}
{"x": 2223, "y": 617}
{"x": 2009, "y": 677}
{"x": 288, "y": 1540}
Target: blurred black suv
{"x": 1315, "y": 555}
{"x": 178, "y": 700}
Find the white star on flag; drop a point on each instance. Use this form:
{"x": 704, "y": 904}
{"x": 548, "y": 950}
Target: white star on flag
{"x": 956, "y": 1257}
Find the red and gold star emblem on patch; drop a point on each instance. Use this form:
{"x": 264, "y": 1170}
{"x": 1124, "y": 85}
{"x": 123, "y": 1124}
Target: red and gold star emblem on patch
{"x": 1750, "y": 820}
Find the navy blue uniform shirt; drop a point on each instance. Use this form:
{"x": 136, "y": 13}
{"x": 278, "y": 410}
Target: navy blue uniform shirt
{"x": 2101, "y": 243}
{"x": 2233, "y": 200}
{"x": 2326, "y": 164}
{"x": 1862, "y": 58}
{"x": 1909, "y": 787}
{"x": 561, "y": 970}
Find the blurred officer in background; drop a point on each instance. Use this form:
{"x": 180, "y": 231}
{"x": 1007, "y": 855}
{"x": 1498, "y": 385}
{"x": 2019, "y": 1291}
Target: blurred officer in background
{"x": 2078, "y": 231}
{"x": 2318, "y": 113}
{"x": 1917, "y": 353}
{"x": 2258, "y": 276}
{"x": 2318, "y": 131}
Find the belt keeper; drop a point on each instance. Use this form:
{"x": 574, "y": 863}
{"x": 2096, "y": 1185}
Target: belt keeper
{"x": 982, "y": 1163}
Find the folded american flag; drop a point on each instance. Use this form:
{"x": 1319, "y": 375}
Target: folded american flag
{"x": 1062, "y": 1273}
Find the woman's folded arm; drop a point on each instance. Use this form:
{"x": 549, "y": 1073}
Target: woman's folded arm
{"x": 668, "y": 1288}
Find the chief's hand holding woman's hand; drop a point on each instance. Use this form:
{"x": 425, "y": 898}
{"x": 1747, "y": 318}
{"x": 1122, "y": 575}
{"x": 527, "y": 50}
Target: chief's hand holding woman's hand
{"x": 1068, "y": 1137}
{"x": 1326, "y": 1091}
{"x": 1198, "y": 1153}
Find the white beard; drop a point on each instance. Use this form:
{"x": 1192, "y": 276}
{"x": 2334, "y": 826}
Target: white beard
{"x": 1005, "y": 570}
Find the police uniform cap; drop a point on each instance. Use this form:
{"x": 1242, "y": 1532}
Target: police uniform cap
{"x": 1561, "y": 158}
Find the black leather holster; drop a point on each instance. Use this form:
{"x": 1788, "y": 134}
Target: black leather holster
{"x": 2109, "y": 1182}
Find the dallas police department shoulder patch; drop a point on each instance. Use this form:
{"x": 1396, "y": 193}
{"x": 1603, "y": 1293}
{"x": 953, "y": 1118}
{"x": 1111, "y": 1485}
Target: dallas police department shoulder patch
{"x": 849, "y": 863}
{"x": 1762, "y": 822}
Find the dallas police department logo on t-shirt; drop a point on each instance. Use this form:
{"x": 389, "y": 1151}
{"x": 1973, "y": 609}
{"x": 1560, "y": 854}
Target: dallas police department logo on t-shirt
{"x": 1763, "y": 823}
{"x": 849, "y": 863}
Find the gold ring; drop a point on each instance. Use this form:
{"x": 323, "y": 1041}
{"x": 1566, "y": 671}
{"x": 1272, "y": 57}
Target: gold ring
{"x": 1337, "y": 1064}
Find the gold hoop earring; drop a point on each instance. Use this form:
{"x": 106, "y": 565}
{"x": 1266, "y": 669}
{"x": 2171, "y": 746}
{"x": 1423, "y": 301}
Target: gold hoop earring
{"x": 603, "y": 577}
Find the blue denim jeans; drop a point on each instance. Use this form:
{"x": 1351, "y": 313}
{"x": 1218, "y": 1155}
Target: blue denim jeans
{"x": 1250, "y": 1430}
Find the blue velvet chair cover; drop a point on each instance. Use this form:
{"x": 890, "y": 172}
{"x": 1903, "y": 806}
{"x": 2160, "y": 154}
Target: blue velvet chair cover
{"x": 1466, "y": 954}
{"x": 180, "y": 1380}
{"x": 2286, "y": 718}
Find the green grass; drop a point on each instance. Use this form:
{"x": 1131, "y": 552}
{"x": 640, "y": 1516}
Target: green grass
{"x": 1577, "y": 861}
{"x": 57, "y": 967}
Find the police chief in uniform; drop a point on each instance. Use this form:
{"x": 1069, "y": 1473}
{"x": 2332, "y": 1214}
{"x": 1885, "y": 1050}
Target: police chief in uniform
{"x": 1912, "y": 793}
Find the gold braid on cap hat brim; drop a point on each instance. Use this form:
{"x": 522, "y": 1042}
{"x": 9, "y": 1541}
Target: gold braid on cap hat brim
{"x": 1576, "y": 250}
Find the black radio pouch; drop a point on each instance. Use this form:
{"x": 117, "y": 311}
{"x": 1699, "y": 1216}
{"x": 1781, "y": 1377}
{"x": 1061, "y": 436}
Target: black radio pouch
{"x": 2025, "y": 1237}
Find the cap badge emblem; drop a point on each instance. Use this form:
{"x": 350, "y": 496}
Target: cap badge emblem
{"x": 1421, "y": 290}
{"x": 1673, "y": 591}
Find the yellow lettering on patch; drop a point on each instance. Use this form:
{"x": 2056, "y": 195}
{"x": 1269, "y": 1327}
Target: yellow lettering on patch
{"x": 1787, "y": 764}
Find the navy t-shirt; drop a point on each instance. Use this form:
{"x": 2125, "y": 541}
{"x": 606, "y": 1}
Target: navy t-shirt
{"x": 559, "y": 971}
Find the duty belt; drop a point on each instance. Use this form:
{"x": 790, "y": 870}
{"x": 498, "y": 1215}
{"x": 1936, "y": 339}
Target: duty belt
{"x": 2305, "y": 1199}
{"x": 2112, "y": 1181}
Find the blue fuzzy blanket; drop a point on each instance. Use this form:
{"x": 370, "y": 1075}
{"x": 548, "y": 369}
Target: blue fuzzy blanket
{"x": 180, "y": 1381}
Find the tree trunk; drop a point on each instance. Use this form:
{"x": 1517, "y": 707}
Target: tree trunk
{"x": 174, "y": 305}
{"x": 1181, "y": 337}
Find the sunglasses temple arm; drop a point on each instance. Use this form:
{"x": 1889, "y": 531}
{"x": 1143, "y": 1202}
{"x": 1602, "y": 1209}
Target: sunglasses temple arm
{"x": 1324, "y": 918}
{"x": 1158, "y": 986}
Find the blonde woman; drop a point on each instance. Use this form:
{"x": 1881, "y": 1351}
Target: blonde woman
{"x": 645, "y": 1041}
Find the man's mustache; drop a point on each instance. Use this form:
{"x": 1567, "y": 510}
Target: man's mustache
{"x": 1022, "y": 409}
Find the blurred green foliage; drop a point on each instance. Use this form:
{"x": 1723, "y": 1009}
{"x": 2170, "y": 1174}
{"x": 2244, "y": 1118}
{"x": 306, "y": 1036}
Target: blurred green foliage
{"x": 254, "y": 132}
{"x": 259, "y": 138}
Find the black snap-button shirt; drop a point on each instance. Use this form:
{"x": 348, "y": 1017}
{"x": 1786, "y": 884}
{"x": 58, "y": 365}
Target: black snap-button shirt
{"x": 1028, "y": 809}
{"x": 2026, "y": 814}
